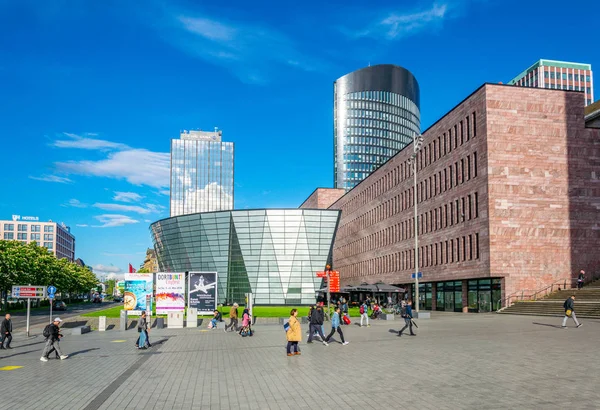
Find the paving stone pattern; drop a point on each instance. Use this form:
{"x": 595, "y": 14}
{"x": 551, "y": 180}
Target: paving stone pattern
{"x": 456, "y": 362}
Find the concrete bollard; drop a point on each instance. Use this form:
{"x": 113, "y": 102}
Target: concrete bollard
{"x": 123, "y": 320}
{"x": 192, "y": 317}
{"x": 102, "y": 324}
{"x": 175, "y": 320}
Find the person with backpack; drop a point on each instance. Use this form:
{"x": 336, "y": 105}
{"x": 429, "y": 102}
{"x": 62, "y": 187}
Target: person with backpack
{"x": 316, "y": 325}
{"x": 335, "y": 326}
{"x": 6, "y": 332}
{"x": 406, "y": 314}
{"x": 364, "y": 313}
{"x": 293, "y": 334}
{"x": 569, "y": 306}
{"x": 53, "y": 336}
{"x": 233, "y": 318}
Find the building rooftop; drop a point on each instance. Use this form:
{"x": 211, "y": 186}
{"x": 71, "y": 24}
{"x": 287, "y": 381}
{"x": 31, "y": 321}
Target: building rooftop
{"x": 197, "y": 135}
{"x": 551, "y": 63}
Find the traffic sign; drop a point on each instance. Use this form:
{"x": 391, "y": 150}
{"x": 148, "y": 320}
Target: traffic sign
{"x": 29, "y": 292}
{"x": 51, "y": 290}
{"x": 50, "y": 296}
{"x": 420, "y": 275}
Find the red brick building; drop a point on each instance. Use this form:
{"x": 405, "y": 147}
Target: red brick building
{"x": 322, "y": 198}
{"x": 508, "y": 200}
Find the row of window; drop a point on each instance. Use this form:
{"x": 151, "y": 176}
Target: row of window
{"x": 450, "y": 177}
{"x": 564, "y": 76}
{"x": 570, "y": 87}
{"x": 366, "y": 149}
{"x": 394, "y": 100}
{"x": 376, "y": 112}
{"x": 396, "y": 132}
{"x": 23, "y": 228}
{"x": 460, "y": 249}
{"x": 370, "y": 142}
{"x": 459, "y": 210}
{"x": 22, "y": 237}
{"x": 439, "y": 147}
{"x": 382, "y": 125}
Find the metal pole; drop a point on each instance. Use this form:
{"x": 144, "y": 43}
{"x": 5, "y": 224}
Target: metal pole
{"x": 416, "y": 226}
{"x": 28, "y": 304}
{"x": 328, "y": 291}
{"x": 51, "y": 309}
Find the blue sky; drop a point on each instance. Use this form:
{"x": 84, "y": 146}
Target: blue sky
{"x": 92, "y": 92}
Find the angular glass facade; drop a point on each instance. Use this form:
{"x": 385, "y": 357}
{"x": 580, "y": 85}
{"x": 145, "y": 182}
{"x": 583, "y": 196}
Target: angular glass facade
{"x": 272, "y": 253}
{"x": 201, "y": 173}
{"x": 376, "y": 114}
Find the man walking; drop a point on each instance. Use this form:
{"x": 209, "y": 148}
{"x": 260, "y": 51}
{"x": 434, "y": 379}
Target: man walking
{"x": 53, "y": 335}
{"x": 580, "y": 279}
{"x": 569, "y": 306}
{"x": 364, "y": 313}
{"x": 6, "y": 332}
{"x": 406, "y": 314}
{"x": 233, "y": 319}
{"x": 316, "y": 325}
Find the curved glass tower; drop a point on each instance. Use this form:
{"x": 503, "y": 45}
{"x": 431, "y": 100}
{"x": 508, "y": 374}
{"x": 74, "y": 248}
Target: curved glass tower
{"x": 376, "y": 114}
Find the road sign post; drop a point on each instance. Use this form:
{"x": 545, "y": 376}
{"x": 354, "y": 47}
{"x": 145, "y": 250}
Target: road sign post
{"x": 28, "y": 292}
{"x": 51, "y": 291}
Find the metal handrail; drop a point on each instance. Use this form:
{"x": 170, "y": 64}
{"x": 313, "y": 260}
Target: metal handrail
{"x": 533, "y": 294}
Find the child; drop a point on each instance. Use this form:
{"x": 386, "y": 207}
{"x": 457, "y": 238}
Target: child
{"x": 294, "y": 334}
{"x": 246, "y": 323}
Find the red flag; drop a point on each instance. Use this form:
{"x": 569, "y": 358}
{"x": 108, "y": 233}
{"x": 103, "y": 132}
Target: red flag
{"x": 131, "y": 269}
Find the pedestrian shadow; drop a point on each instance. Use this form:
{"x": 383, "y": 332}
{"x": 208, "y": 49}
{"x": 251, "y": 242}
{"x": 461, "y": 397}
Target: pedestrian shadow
{"x": 71, "y": 325}
{"x": 17, "y": 354}
{"x": 547, "y": 324}
{"x": 393, "y": 331}
{"x": 30, "y": 344}
{"x": 132, "y": 325}
{"x": 83, "y": 351}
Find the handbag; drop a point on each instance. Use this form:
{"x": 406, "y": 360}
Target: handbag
{"x": 568, "y": 312}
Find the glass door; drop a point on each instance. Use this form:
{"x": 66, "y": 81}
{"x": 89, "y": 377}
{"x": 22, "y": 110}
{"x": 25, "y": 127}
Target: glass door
{"x": 485, "y": 301}
{"x": 449, "y": 301}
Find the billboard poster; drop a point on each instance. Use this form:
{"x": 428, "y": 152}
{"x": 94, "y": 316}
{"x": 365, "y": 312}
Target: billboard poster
{"x": 170, "y": 293}
{"x": 138, "y": 293}
{"x": 121, "y": 287}
{"x": 202, "y": 292}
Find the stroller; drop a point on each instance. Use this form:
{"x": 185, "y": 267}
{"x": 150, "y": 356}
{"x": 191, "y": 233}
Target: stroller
{"x": 246, "y": 331}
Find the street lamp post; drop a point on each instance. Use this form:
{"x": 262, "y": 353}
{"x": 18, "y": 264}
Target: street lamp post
{"x": 417, "y": 142}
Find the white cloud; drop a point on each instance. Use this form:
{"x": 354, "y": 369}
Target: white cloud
{"x": 114, "y": 220}
{"x": 52, "y": 178}
{"x": 150, "y": 208}
{"x": 127, "y": 197}
{"x": 136, "y": 166}
{"x": 397, "y": 24}
{"x": 75, "y": 203}
{"x": 81, "y": 225}
{"x": 253, "y": 52}
{"x": 148, "y": 221}
{"x": 79, "y": 142}
{"x": 164, "y": 192}
{"x": 192, "y": 197}
{"x": 100, "y": 268}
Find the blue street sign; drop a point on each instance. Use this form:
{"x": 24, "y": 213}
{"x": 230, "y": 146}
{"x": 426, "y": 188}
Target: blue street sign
{"x": 51, "y": 290}
{"x": 420, "y": 275}
{"x": 50, "y": 295}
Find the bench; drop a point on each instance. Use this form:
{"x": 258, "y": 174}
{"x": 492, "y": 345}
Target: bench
{"x": 80, "y": 330}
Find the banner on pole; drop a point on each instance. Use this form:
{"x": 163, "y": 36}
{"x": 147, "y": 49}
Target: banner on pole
{"x": 138, "y": 286}
{"x": 170, "y": 292}
{"x": 202, "y": 292}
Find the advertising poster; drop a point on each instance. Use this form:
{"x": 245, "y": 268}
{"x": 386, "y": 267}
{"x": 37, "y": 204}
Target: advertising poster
{"x": 170, "y": 292}
{"x": 121, "y": 287}
{"x": 138, "y": 292}
{"x": 202, "y": 292}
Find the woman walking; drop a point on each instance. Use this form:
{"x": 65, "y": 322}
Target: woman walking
{"x": 335, "y": 325}
{"x": 294, "y": 334}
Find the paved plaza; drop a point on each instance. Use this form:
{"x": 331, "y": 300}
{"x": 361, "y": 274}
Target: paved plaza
{"x": 456, "y": 362}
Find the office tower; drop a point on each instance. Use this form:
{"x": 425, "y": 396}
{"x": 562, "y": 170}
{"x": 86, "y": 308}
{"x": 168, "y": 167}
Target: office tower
{"x": 558, "y": 75}
{"x": 201, "y": 173}
{"x": 376, "y": 114}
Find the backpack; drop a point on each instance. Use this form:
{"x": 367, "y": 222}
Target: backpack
{"x": 47, "y": 332}
{"x": 403, "y": 311}
{"x": 362, "y": 309}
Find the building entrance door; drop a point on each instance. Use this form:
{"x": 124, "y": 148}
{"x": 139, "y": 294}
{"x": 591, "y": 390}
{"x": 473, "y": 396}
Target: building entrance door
{"x": 485, "y": 302}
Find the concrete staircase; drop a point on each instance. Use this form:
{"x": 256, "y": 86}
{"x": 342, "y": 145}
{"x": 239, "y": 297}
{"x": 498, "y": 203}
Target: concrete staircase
{"x": 587, "y": 303}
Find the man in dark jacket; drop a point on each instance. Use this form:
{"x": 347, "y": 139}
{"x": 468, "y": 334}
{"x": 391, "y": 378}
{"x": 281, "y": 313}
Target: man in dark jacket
{"x": 316, "y": 325}
{"x": 406, "y": 314}
{"x": 580, "y": 279}
{"x": 6, "y": 332}
{"x": 569, "y": 306}
{"x": 52, "y": 341}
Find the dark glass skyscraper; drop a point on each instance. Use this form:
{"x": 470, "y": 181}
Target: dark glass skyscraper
{"x": 376, "y": 114}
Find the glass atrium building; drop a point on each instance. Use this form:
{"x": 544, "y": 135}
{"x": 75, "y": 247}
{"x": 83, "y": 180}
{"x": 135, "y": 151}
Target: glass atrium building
{"x": 376, "y": 114}
{"x": 273, "y": 253}
{"x": 201, "y": 173}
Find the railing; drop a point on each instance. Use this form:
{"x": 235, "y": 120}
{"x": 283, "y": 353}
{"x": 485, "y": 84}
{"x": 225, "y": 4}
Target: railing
{"x": 533, "y": 295}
